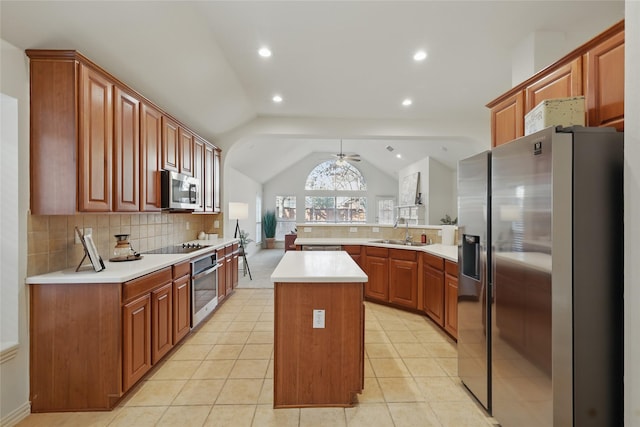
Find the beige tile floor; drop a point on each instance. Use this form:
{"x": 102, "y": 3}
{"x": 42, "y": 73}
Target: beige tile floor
{"x": 222, "y": 375}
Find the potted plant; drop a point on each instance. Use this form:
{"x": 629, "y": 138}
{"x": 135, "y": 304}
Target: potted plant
{"x": 244, "y": 241}
{"x": 269, "y": 226}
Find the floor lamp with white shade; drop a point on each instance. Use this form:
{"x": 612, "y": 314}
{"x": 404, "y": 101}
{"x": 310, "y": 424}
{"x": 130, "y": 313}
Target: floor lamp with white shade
{"x": 238, "y": 211}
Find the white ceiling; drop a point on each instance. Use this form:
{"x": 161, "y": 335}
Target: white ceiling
{"x": 343, "y": 67}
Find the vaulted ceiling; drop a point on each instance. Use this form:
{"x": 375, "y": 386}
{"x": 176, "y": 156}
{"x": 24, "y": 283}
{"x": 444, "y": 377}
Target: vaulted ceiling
{"x": 342, "y": 67}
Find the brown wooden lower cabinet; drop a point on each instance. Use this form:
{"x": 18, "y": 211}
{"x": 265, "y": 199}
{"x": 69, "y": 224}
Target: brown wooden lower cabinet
{"x": 90, "y": 343}
{"x": 355, "y": 251}
{"x": 181, "y": 308}
{"x": 415, "y": 280}
{"x": 403, "y": 277}
{"x": 377, "y": 268}
{"x": 433, "y": 282}
{"x": 75, "y": 347}
{"x": 228, "y": 270}
{"x": 162, "y": 322}
{"x": 234, "y": 265}
{"x": 222, "y": 274}
{"x": 318, "y": 366}
{"x": 451, "y": 298}
{"x": 136, "y": 340}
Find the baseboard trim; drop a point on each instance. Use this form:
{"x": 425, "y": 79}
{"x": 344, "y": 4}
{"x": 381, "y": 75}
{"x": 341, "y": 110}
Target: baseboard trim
{"x": 17, "y": 415}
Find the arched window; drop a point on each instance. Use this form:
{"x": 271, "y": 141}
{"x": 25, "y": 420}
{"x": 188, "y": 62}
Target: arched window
{"x": 330, "y": 175}
{"x": 335, "y": 193}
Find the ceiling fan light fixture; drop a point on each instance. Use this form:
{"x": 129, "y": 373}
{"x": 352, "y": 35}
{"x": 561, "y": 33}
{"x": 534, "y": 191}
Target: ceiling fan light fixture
{"x": 344, "y": 158}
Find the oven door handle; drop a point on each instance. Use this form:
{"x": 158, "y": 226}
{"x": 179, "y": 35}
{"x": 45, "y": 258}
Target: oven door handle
{"x": 204, "y": 273}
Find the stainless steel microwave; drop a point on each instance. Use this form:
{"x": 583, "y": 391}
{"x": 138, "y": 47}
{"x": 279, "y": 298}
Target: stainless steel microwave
{"x": 179, "y": 192}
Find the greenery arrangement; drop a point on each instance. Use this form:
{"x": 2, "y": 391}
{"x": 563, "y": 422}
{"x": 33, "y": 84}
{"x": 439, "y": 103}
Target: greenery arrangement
{"x": 269, "y": 224}
{"x": 448, "y": 221}
{"x": 244, "y": 238}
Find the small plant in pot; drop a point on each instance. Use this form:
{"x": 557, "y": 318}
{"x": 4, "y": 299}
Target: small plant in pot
{"x": 269, "y": 222}
{"x": 244, "y": 241}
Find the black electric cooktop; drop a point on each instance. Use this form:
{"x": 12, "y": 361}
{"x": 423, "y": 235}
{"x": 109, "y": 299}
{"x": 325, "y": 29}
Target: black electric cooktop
{"x": 184, "y": 248}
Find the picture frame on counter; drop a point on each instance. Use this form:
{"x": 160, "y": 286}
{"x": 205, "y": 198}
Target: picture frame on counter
{"x": 91, "y": 251}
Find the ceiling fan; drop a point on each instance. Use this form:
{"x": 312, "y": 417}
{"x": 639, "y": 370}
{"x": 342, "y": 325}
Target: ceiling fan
{"x": 344, "y": 157}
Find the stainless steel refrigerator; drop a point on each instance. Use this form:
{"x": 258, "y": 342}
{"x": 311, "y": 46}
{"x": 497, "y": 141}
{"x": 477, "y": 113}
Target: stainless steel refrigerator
{"x": 540, "y": 321}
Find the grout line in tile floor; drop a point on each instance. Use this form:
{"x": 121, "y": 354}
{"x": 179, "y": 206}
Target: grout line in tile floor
{"x": 222, "y": 375}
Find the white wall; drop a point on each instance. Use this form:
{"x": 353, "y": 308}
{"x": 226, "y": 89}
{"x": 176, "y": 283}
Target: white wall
{"x": 240, "y": 188}
{"x": 9, "y": 217}
{"x": 632, "y": 214}
{"x": 291, "y": 183}
{"x": 436, "y": 184}
{"x": 442, "y": 200}
{"x": 14, "y": 386}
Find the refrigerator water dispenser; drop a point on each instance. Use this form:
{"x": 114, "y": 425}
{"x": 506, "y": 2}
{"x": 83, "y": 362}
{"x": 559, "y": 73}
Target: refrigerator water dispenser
{"x": 471, "y": 256}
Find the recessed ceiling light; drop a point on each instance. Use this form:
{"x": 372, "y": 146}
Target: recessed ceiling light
{"x": 420, "y": 55}
{"x": 407, "y": 102}
{"x": 277, "y": 99}
{"x": 265, "y": 52}
{"x": 399, "y": 156}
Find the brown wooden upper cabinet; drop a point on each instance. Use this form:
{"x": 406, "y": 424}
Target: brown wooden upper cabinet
{"x": 208, "y": 178}
{"x": 198, "y": 167}
{"x": 170, "y": 144}
{"x": 95, "y": 142}
{"x": 595, "y": 70}
{"x": 126, "y": 150}
{"x": 565, "y": 81}
{"x": 217, "y": 173}
{"x": 97, "y": 145}
{"x": 507, "y": 119}
{"x": 604, "y": 66}
{"x": 150, "y": 157}
{"x": 186, "y": 151}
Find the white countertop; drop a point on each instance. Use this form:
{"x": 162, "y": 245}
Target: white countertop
{"x": 318, "y": 266}
{"x": 119, "y": 272}
{"x": 449, "y": 252}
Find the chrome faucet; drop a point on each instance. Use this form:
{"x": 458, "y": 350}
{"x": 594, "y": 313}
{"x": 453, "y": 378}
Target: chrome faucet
{"x": 407, "y": 236}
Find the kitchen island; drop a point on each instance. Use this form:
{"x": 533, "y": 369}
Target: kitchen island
{"x": 319, "y": 330}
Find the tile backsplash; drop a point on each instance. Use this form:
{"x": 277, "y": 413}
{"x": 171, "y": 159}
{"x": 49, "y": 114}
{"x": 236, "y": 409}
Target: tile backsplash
{"x": 51, "y": 239}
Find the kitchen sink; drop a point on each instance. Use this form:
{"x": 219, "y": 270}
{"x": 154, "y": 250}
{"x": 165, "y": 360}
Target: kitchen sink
{"x": 399, "y": 242}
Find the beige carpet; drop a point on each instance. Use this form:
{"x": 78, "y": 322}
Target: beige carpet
{"x": 261, "y": 265}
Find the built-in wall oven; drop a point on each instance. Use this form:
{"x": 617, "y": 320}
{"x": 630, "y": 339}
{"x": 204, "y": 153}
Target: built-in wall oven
{"x": 204, "y": 287}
